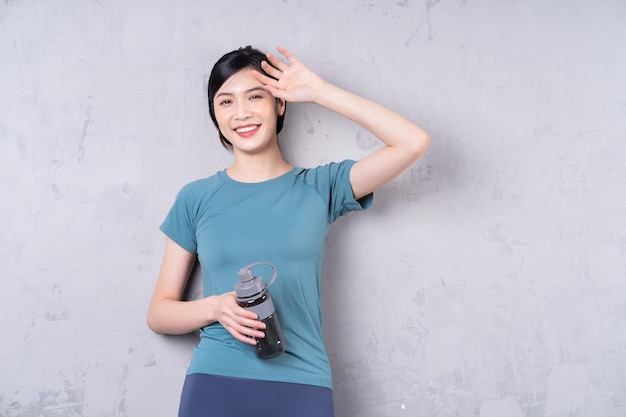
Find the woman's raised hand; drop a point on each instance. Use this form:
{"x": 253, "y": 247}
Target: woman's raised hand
{"x": 294, "y": 82}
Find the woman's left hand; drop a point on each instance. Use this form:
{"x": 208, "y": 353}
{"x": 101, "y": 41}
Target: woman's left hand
{"x": 294, "y": 82}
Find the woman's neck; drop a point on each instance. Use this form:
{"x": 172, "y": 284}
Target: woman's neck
{"x": 257, "y": 168}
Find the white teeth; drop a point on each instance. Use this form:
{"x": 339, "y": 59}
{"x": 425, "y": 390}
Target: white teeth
{"x": 246, "y": 129}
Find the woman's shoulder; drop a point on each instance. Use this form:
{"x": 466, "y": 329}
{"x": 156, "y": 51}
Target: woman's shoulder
{"x": 200, "y": 187}
{"x": 328, "y": 170}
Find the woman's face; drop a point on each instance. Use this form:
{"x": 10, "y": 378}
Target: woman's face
{"x": 246, "y": 113}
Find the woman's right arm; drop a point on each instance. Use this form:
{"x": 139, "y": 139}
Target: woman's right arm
{"x": 168, "y": 314}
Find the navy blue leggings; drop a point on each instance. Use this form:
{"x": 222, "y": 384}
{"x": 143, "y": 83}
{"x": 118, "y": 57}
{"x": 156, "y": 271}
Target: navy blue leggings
{"x": 219, "y": 396}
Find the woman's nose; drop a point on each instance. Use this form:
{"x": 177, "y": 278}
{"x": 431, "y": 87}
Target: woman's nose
{"x": 243, "y": 110}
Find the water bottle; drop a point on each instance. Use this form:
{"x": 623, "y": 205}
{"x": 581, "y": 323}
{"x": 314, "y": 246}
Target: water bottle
{"x": 252, "y": 294}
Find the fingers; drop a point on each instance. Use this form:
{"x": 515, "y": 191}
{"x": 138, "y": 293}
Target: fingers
{"x": 277, "y": 62}
{"x": 269, "y": 84}
{"x": 286, "y": 54}
{"x": 245, "y": 330}
{"x": 264, "y": 78}
{"x": 271, "y": 72}
{"x": 238, "y": 321}
{"x": 279, "y": 65}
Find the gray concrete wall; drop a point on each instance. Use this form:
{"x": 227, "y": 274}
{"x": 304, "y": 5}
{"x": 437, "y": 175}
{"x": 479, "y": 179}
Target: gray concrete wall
{"x": 489, "y": 280}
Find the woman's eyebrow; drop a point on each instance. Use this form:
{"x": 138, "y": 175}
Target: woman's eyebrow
{"x": 227, "y": 93}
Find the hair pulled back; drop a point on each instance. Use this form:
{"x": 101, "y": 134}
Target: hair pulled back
{"x": 226, "y": 67}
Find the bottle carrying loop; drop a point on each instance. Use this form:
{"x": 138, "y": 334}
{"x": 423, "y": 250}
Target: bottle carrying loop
{"x": 252, "y": 265}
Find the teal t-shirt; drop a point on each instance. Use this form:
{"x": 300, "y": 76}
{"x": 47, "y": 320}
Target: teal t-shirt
{"x": 283, "y": 221}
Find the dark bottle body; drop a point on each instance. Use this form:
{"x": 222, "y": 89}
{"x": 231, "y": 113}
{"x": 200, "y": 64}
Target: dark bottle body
{"x": 273, "y": 344}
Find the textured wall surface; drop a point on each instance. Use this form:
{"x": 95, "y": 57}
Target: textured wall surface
{"x": 489, "y": 280}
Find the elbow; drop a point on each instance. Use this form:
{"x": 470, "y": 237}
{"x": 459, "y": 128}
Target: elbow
{"x": 153, "y": 323}
{"x": 420, "y": 144}
{"x": 155, "y": 328}
{"x": 425, "y": 141}
{"x": 152, "y": 327}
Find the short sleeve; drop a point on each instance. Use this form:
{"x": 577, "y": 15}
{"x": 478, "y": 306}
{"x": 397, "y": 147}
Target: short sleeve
{"x": 341, "y": 196}
{"x": 179, "y": 224}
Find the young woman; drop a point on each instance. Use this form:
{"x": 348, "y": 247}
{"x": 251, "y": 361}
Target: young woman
{"x": 261, "y": 208}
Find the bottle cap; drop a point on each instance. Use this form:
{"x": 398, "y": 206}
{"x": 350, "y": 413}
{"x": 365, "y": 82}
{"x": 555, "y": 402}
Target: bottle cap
{"x": 250, "y": 285}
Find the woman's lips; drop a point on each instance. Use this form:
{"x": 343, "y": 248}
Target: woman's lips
{"x": 247, "y": 130}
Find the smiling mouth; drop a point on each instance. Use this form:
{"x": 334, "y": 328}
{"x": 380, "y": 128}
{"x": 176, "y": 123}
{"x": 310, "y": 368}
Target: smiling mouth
{"x": 246, "y": 129}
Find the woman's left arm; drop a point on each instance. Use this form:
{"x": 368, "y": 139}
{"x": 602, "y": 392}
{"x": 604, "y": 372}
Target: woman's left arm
{"x": 404, "y": 141}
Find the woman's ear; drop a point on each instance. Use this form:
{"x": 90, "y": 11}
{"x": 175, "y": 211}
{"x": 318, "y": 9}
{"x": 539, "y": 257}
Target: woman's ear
{"x": 280, "y": 106}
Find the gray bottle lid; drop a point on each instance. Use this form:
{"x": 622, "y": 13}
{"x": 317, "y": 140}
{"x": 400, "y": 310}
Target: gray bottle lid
{"x": 249, "y": 284}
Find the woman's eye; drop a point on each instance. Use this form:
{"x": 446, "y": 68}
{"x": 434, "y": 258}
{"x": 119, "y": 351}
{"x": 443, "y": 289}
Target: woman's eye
{"x": 224, "y": 102}
{"x": 256, "y": 96}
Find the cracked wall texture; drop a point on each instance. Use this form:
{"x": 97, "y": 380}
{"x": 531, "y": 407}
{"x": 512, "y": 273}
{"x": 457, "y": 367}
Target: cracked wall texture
{"x": 488, "y": 280}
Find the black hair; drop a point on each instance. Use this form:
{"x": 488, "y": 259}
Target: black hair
{"x": 227, "y": 66}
